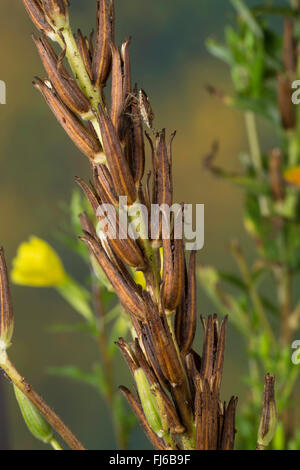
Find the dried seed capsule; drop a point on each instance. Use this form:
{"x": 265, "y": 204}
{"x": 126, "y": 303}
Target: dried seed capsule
{"x": 229, "y": 431}
{"x": 104, "y": 38}
{"x": 268, "y": 421}
{"x": 173, "y": 273}
{"x": 67, "y": 89}
{"x": 6, "y": 310}
{"x": 85, "y": 52}
{"x": 127, "y": 292}
{"x": 57, "y": 12}
{"x": 80, "y": 135}
{"x": 118, "y": 166}
{"x": 286, "y": 106}
{"x": 37, "y": 15}
{"x": 189, "y": 318}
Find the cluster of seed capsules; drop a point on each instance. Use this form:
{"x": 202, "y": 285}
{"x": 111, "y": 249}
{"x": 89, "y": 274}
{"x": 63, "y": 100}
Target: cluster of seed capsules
{"x": 178, "y": 401}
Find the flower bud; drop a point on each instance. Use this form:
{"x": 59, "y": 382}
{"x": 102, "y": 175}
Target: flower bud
{"x": 37, "y": 265}
{"x": 36, "y": 423}
{"x": 268, "y": 420}
{"x": 6, "y": 311}
{"x": 57, "y": 12}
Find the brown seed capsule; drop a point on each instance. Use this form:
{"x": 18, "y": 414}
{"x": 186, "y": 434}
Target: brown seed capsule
{"x": 276, "y": 177}
{"x": 286, "y": 106}
{"x": 164, "y": 171}
{"x": 118, "y": 166}
{"x": 124, "y": 247}
{"x": 80, "y": 135}
{"x": 117, "y": 98}
{"x": 67, "y": 89}
{"x": 104, "y": 38}
{"x": 57, "y": 12}
{"x": 37, "y": 15}
{"x": 127, "y": 292}
{"x": 84, "y": 48}
{"x": 104, "y": 185}
{"x": 189, "y": 317}
{"x": 6, "y": 310}
{"x": 137, "y": 151}
{"x": 229, "y": 431}
{"x": 126, "y": 68}
{"x": 268, "y": 421}
{"x": 173, "y": 273}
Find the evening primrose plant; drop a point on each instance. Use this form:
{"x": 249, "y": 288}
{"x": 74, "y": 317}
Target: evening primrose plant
{"x": 261, "y": 50}
{"x": 141, "y": 294}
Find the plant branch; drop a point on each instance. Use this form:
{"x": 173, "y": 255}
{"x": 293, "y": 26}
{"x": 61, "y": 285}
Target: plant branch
{"x": 40, "y": 404}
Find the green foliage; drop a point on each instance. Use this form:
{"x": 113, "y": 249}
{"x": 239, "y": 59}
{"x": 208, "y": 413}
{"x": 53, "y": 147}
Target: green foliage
{"x": 254, "y": 53}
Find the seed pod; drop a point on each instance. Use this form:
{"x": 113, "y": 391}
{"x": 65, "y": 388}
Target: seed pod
{"x": 164, "y": 170}
{"x": 286, "y": 106}
{"x": 229, "y": 431}
{"x": 57, "y": 12}
{"x": 157, "y": 442}
{"x": 83, "y": 45}
{"x": 37, "y": 15}
{"x": 268, "y": 420}
{"x": 148, "y": 402}
{"x": 118, "y": 166}
{"x": 104, "y": 185}
{"x": 36, "y": 423}
{"x": 66, "y": 88}
{"x": 124, "y": 247}
{"x": 126, "y": 68}
{"x": 137, "y": 150}
{"x": 276, "y": 176}
{"x": 127, "y": 292}
{"x": 80, "y": 135}
{"x": 173, "y": 273}
{"x": 6, "y": 310}
{"x": 117, "y": 102}
{"x": 189, "y": 317}
{"x": 104, "y": 38}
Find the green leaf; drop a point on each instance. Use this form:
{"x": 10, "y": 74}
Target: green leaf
{"x": 95, "y": 378}
{"x": 72, "y": 328}
{"x": 248, "y": 17}
{"x": 120, "y": 329}
{"x": 217, "y": 50}
{"x": 78, "y": 297}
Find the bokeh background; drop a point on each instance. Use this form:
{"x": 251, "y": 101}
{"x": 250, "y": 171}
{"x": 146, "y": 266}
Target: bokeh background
{"x": 38, "y": 165}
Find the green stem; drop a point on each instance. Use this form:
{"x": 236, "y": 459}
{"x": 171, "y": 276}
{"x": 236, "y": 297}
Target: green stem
{"x": 252, "y": 291}
{"x": 77, "y": 65}
{"x": 40, "y": 404}
{"x": 256, "y": 156}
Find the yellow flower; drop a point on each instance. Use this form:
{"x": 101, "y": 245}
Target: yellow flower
{"x": 292, "y": 175}
{"x": 37, "y": 265}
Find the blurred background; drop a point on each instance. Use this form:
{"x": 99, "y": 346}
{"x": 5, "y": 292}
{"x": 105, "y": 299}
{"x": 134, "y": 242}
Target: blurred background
{"x": 38, "y": 165}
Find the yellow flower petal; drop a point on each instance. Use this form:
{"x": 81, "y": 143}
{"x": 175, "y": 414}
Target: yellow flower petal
{"x": 38, "y": 265}
{"x": 292, "y": 175}
{"x": 138, "y": 276}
